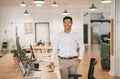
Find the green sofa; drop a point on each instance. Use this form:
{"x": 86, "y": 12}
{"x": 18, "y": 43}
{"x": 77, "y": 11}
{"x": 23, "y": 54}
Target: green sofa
{"x": 105, "y": 55}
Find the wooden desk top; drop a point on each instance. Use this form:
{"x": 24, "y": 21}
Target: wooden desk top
{"x": 38, "y": 47}
{"x": 9, "y": 71}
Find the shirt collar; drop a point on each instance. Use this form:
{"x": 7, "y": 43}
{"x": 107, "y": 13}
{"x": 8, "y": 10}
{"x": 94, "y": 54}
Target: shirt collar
{"x": 68, "y": 33}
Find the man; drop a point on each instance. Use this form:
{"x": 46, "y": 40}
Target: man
{"x": 67, "y": 42}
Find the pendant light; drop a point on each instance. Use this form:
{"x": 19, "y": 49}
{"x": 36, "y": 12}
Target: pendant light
{"x": 106, "y": 1}
{"x": 23, "y": 4}
{"x": 38, "y": 1}
{"x": 54, "y": 4}
{"x": 93, "y": 7}
{"x": 26, "y": 12}
{"x": 65, "y": 12}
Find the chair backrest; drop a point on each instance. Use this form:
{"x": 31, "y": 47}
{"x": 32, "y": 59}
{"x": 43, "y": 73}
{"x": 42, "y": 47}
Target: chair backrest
{"x": 4, "y": 44}
{"x": 93, "y": 62}
{"x": 104, "y": 36}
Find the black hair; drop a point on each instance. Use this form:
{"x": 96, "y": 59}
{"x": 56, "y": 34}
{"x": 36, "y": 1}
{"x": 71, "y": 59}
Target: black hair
{"x": 67, "y": 17}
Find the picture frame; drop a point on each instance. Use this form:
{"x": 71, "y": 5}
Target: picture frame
{"x": 28, "y": 27}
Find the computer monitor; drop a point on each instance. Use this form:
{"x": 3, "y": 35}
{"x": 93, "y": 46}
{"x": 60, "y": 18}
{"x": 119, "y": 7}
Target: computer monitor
{"x": 32, "y": 54}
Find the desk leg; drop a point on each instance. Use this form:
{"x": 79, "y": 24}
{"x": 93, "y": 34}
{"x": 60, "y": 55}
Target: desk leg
{"x": 40, "y": 50}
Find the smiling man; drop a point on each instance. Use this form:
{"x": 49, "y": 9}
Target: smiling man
{"x": 67, "y": 42}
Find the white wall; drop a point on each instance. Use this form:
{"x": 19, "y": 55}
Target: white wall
{"x": 117, "y": 37}
{"x": 104, "y": 28}
{"x": 97, "y": 16}
{"x": 115, "y": 59}
{"x": 12, "y": 17}
{"x": 113, "y": 69}
{"x": 0, "y": 23}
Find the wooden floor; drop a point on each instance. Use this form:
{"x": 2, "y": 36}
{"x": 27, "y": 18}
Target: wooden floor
{"x": 93, "y": 52}
{"x": 2, "y": 53}
{"x": 90, "y": 52}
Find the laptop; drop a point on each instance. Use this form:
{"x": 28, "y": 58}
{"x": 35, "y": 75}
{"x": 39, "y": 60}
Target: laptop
{"x": 27, "y": 73}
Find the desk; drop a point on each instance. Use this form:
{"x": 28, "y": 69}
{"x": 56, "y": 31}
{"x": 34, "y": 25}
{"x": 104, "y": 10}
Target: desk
{"x": 38, "y": 47}
{"x": 48, "y": 47}
{"x": 9, "y": 71}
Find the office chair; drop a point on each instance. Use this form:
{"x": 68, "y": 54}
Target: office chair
{"x": 4, "y": 46}
{"x": 93, "y": 62}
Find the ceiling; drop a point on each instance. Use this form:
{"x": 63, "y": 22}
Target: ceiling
{"x": 15, "y": 3}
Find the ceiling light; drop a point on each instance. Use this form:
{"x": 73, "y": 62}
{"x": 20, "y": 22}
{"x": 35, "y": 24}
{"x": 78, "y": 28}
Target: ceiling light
{"x": 106, "y": 1}
{"x": 93, "y": 7}
{"x": 54, "y": 4}
{"x": 38, "y": 1}
{"x": 23, "y": 4}
{"x": 26, "y": 12}
{"x": 38, "y": 5}
{"x": 65, "y": 12}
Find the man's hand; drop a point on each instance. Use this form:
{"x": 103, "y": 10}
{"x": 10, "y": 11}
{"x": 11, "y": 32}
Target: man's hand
{"x": 78, "y": 60}
{"x": 51, "y": 65}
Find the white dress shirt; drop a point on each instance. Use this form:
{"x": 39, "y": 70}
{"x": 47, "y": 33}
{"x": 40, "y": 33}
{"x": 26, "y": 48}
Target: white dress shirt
{"x": 67, "y": 43}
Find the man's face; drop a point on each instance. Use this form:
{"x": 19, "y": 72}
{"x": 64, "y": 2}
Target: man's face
{"x": 67, "y": 24}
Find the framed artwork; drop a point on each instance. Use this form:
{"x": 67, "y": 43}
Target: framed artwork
{"x": 28, "y": 27}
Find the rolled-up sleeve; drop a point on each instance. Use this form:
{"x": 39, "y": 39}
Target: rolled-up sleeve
{"x": 55, "y": 48}
{"x": 82, "y": 48}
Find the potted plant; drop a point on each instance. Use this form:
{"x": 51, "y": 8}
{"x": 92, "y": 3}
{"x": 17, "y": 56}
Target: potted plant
{"x": 15, "y": 57}
{"x": 40, "y": 43}
{"x": 23, "y": 57}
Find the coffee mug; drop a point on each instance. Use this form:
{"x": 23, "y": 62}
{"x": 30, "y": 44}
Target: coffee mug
{"x": 36, "y": 65}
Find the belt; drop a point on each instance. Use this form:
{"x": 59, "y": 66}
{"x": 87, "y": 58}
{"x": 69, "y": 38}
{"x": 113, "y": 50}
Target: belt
{"x": 68, "y": 57}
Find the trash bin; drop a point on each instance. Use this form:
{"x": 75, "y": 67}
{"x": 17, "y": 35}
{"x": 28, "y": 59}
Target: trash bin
{"x": 105, "y": 64}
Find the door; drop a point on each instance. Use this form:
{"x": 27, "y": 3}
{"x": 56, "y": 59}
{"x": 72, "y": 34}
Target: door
{"x": 42, "y": 32}
{"x": 85, "y": 33}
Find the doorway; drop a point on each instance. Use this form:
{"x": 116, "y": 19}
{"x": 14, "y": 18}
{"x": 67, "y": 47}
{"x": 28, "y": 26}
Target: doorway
{"x": 100, "y": 25}
{"x": 42, "y": 32}
{"x": 94, "y": 35}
